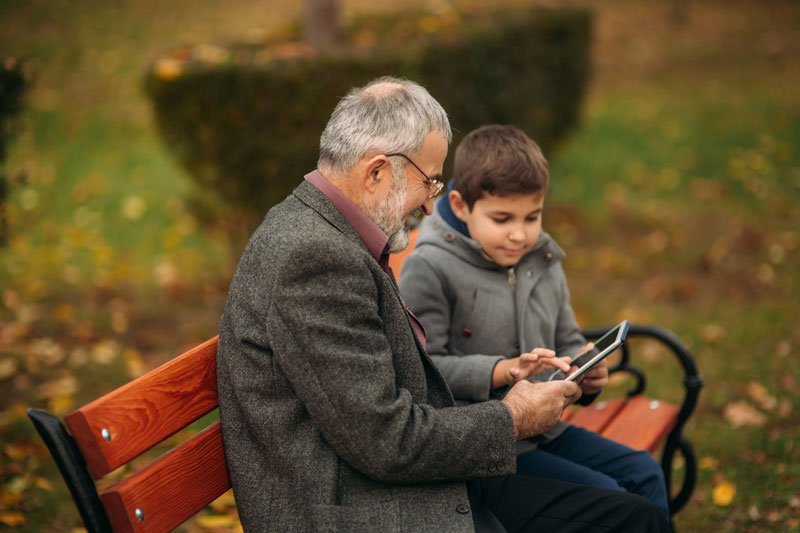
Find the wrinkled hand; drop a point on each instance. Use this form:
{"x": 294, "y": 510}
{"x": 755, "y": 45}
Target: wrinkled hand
{"x": 537, "y": 407}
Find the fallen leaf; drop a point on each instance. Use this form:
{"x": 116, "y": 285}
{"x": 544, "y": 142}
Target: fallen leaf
{"x": 783, "y": 348}
{"x": 43, "y": 483}
{"x": 708, "y": 463}
{"x": 741, "y": 414}
{"x": 216, "y": 521}
{"x": 134, "y": 363}
{"x": 723, "y": 493}
{"x": 8, "y": 367}
{"x": 13, "y": 519}
{"x": 18, "y": 452}
{"x": 47, "y": 351}
{"x": 759, "y": 394}
{"x": 712, "y": 333}
{"x": 224, "y": 502}
{"x": 753, "y": 513}
{"x": 65, "y": 386}
{"x": 105, "y": 351}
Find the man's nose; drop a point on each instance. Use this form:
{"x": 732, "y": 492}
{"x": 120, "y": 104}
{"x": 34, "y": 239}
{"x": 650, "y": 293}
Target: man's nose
{"x": 427, "y": 206}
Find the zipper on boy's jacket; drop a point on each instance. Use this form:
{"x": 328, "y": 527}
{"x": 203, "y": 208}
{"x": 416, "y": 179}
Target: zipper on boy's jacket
{"x": 512, "y": 277}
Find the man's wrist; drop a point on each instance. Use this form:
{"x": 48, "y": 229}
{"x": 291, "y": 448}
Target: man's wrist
{"x": 513, "y": 420}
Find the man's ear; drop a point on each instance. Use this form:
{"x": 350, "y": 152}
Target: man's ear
{"x": 374, "y": 171}
{"x": 458, "y": 205}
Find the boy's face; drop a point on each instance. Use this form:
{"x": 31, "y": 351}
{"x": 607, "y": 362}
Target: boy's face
{"x": 506, "y": 227}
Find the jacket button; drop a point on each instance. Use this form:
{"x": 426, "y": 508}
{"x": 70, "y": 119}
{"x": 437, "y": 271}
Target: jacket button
{"x": 467, "y": 333}
{"x": 462, "y": 508}
{"x": 449, "y": 236}
{"x": 548, "y": 257}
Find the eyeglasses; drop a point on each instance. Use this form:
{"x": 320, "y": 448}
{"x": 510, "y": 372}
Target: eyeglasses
{"x": 433, "y": 185}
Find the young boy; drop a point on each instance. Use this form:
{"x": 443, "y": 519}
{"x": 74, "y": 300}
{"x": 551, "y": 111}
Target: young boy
{"x": 487, "y": 284}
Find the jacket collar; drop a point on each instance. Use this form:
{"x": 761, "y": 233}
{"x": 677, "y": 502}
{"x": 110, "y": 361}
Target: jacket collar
{"x": 370, "y": 234}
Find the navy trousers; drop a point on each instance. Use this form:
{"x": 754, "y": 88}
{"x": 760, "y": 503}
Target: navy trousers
{"x": 586, "y": 458}
{"x": 527, "y": 504}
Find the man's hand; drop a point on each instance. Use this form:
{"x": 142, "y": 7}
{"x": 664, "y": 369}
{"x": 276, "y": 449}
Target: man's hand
{"x": 537, "y": 407}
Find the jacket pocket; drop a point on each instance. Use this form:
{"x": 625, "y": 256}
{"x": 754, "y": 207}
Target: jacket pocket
{"x": 488, "y": 327}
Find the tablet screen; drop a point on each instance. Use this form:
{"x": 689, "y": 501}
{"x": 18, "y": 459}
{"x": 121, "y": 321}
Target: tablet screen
{"x": 604, "y": 347}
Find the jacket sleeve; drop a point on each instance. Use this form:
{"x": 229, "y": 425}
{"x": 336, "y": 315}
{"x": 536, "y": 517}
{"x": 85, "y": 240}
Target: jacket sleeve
{"x": 468, "y": 376}
{"x": 331, "y": 344}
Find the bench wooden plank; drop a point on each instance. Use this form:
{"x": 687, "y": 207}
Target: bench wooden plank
{"x": 643, "y": 424}
{"x": 597, "y": 416}
{"x": 171, "y": 489}
{"x": 146, "y": 411}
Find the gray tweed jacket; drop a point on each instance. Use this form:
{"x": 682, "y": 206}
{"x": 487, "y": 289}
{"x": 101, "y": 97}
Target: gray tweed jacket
{"x": 333, "y": 416}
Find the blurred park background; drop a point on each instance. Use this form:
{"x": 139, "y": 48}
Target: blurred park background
{"x": 674, "y": 195}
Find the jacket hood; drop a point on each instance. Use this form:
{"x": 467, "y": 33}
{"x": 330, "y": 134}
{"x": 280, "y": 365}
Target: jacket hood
{"x": 436, "y": 231}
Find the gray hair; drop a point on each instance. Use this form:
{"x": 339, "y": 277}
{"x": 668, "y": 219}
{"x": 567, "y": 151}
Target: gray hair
{"x": 386, "y": 115}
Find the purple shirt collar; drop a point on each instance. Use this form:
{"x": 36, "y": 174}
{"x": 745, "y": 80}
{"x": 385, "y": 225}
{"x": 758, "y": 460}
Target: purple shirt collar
{"x": 376, "y": 241}
{"x": 374, "y": 238}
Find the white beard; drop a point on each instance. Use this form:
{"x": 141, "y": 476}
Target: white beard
{"x": 388, "y": 215}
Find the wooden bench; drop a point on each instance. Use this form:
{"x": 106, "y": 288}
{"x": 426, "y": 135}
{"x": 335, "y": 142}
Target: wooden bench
{"x": 112, "y": 431}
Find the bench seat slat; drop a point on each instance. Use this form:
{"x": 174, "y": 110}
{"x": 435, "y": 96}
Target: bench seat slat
{"x": 147, "y": 410}
{"x": 643, "y": 424}
{"x": 173, "y": 488}
{"x": 597, "y": 416}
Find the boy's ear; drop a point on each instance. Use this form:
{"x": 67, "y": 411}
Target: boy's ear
{"x": 458, "y": 205}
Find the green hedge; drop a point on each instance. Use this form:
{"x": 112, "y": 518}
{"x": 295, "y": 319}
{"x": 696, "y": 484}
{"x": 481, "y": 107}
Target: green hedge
{"x": 12, "y": 88}
{"x": 245, "y": 120}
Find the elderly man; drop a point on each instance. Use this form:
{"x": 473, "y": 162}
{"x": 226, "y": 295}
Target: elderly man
{"x": 333, "y": 415}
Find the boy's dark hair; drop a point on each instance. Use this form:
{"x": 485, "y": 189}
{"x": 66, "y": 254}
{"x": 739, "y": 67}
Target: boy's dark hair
{"x": 499, "y": 160}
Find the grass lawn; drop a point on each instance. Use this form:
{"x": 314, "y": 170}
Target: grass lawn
{"x": 675, "y": 202}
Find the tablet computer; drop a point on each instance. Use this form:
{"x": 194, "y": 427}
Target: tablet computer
{"x": 604, "y": 346}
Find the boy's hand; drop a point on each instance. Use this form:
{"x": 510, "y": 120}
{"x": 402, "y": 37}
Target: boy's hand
{"x": 510, "y": 371}
{"x": 595, "y": 380}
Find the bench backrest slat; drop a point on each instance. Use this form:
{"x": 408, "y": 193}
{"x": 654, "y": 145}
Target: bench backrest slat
{"x": 144, "y": 412}
{"x": 173, "y": 488}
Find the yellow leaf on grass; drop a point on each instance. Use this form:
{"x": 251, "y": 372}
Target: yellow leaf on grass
{"x": 224, "y": 502}
{"x": 723, "y": 493}
{"x": 43, "y": 483}
{"x": 8, "y": 367}
{"x": 708, "y": 463}
{"x": 13, "y": 519}
{"x": 216, "y": 521}
{"x": 134, "y": 364}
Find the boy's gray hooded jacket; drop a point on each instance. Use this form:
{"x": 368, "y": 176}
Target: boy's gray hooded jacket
{"x": 476, "y": 312}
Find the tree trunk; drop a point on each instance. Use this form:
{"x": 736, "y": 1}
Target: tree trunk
{"x": 322, "y": 22}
